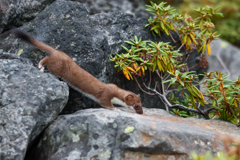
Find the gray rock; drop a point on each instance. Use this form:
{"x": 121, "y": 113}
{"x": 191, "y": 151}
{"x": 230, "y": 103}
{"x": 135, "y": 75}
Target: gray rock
{"x": 89, "y": 40}
{"x": 29, "y": 101}
{"x": 127, "y": 6}
{"x": 17, "y": 12}
{"x": 224, "y": 58}
{"x": 103, "y": 134}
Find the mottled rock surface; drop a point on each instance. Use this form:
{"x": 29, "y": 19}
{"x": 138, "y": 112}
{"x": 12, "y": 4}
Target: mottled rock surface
{"x": 89, "y": 40}
{"x": 225, "y": 58}
{"x": 103, "y": 134}
{"x": 29, "y": 101}
{"x": 17, "y": 12}
{"x": 127, "y": 6}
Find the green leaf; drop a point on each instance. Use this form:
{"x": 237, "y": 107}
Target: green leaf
{"x": 182, "y": 84}
{"x": 20, "y": 52}
{"x": 129, "y": 129}
{"x": 125, "y": 48}
{"x": 154, "y": 65}
{"x": 136, "y": 39}
{"x": 128, "y": 42}
{"x": 218, "y": 14}
{"x": 179, "y": 88}
{"x": 147, "y": 25}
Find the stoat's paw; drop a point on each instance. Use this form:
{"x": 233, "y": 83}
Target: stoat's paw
{"x": 41, "y": 68}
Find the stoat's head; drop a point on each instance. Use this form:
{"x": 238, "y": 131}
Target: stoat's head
{"x": 134, "y": 101}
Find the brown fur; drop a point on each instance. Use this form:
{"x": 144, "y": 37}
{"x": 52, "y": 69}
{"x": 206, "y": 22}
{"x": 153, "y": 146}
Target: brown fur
{"x": 61, "y": 65}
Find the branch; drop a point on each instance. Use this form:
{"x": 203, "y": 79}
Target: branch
{"x": 205, "y": 114}
{"x": 161, "y": 80}
{"x": 169, "y": 105}
{"x": 156, "y": 86}
{"x": 165, "y": 100}
{"x": 210, "y": 96}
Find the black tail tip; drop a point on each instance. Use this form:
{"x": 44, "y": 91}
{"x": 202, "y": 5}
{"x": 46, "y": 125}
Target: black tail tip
{"x": 20, "y": 34}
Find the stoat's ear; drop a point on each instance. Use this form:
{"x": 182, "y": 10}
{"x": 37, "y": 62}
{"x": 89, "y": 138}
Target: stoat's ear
{"x": 129, "y": 98}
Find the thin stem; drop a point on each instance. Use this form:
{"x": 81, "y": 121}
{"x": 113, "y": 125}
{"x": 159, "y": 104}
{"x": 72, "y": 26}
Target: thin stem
{"x": 141, "y": 87}
{"x": 150, "y": 76}
{"x": 221, "y": 62}
{"x": 208, "y": 110}
{"x": 160, "y": 76}
{"x": 181, "y": 46}
{"x": 210, "y": 96}
{"x": 166, "y": 76}
{"x": 186, "y": 58}
{"x": 172, "y": 37}
{"x": 156, "y": 86}
{"x": 193, "y": 66}
{"x": 185, "y": 108}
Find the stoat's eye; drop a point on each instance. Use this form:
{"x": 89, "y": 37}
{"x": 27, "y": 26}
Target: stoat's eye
{"x": 136, "y": 106}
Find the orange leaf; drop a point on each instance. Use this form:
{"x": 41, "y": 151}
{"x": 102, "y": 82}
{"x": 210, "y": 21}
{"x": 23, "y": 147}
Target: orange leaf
{"x": 193, "y": 34}
{"x": 135, "y": 66}
{"x": 201, "y": 95}
{"x": 208, "y": 49}
{"x": 143, "y": 70}
{"x": 126, "y": 74}
{"x": 131, "y": 69}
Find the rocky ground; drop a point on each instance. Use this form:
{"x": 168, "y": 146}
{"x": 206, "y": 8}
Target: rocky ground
{"x": 31, "y": 101}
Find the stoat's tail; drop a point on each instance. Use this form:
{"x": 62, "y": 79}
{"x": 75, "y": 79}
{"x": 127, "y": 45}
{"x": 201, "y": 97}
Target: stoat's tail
{"x": 42, "y": 46}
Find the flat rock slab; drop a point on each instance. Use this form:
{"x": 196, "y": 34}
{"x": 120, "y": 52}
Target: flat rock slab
{"x": 103, "y": 134}
{"x": 29, "y": 101}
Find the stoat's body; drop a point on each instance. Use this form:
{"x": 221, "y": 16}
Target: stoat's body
{"x": 61, "y": 65}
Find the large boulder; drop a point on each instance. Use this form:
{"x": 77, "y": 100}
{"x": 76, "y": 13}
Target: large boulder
{"x": 29, "y": 101}
{"x": 225, "y": 59}
{"x": 18, "y": 12}
{"x": 100, "y": 134}
{"x": 127, "y": 6}
{"x": 89, "y": 40}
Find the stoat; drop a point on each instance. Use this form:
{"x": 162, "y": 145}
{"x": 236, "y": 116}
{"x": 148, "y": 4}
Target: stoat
{"x": 61, "y": 65}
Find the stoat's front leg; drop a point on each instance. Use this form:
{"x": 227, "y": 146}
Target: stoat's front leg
{"x": 42, "y": 63}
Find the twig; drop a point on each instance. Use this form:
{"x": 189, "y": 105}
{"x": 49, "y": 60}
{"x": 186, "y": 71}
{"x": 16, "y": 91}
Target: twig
{"x": 156, "y": 86}
{"x": 222, "y": 63}
{"x": 151, "y": 94}
{"x": 210, "y": 96}
{"x": 186, "y": 58}
{"x": 166, "y": 76}
{"x": 162, "y": 85}
{"x": 208, "y": 110}
{"x": 172, "y": 37}
{"x": 193, "y": 66}
{"x": 185, "y": 108}
{"x": 181, "y": 46}
{"x": 150, "y": 76}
